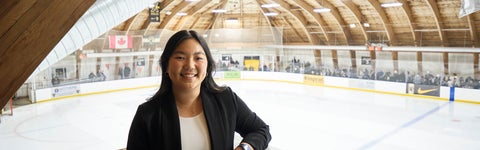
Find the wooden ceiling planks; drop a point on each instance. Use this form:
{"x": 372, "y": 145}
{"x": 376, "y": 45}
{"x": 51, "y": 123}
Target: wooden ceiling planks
{"x": 415, "y": 23}
{"x": 26, "y": 25}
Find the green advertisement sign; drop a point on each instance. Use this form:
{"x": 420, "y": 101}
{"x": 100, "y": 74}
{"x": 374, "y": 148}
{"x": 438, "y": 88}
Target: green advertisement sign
{"x": 231, "y": 74}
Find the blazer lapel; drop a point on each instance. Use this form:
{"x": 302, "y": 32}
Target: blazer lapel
{"x": 170, "y": 125}
{"x": 214, "y": 121}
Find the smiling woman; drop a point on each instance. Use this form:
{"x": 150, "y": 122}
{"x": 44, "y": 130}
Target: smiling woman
{"x": 190, "y": 111}
{"x": 187, "y": 66}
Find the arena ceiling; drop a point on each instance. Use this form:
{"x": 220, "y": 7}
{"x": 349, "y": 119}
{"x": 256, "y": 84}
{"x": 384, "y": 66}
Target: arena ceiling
{"x": 26, "y": 31}
{"x": 420, "y": 23}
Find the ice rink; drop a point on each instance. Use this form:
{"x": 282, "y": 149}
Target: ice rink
{"x": 300, "y": 117}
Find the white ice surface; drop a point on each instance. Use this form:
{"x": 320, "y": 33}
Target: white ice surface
{"x": 300, "y": 117}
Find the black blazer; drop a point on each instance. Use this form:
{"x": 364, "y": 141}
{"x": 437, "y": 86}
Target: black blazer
{"x": 156, "y": 123}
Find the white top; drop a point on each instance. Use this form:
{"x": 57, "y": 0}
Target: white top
{"x": 194, "y": 133}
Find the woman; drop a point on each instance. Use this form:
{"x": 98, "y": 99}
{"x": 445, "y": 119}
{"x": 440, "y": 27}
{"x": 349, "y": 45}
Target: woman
{"x": 190, "y": 111}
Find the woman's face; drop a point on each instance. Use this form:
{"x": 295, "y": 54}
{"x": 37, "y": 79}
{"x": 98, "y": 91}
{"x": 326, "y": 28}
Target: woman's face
{"x": 187, "y": 67}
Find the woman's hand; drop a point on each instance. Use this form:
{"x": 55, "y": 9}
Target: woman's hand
{"x": 244, "y": 146}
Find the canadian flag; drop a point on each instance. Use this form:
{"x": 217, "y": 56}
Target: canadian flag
{"x": 120, "y": 41}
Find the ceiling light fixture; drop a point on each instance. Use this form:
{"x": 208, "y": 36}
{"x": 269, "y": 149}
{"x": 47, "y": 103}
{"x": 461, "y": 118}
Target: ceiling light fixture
{"x": 366, "y": 25}
{"x": 270, "y": 5}
{"x": 182, "y": 14}
{"x": 396, "y": 4}
{"x": 271, "y": 14}
{"x": 321, "y": 10}
{"x": 219, "y": 11}
{"x": 353, "y": 25}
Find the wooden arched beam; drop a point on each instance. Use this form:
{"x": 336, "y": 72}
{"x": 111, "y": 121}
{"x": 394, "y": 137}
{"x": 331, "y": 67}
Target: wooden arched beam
{"x": 386, "y": 23}
{"x": 181, "y": 23}
{"x": 146, "y": 26}
{"x": 298, "y": 17}
{"x": 165, "y": 3}
{"x": 146, "y": 21}
{"x": 408, "y": 13}
{"x": 436, "y": 14}
{"x": 191, "y": 12}
{"x": 473, "y": 31}
{"x": 357, "y": 15}
{"x": 269, "y": 21}
{"x": 174, "y": 11}
{"x": 318, "y": 19}
{"x": 130, "y": 22}
{"x": 304, "y": 22}
{"x": 339, "y": 20}
{"x": 195, "y": 21}
{"x": 215, "y": 17}
{"x": 29, "y": 31}
{"x": 199, "y": 15}
{"x": 288, "y": 21}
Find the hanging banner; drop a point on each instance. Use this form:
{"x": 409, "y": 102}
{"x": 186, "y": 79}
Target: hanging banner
{"x": 468, "y": 7}
{"x": 154, "y": 12}
{"x": 120, "y": 41}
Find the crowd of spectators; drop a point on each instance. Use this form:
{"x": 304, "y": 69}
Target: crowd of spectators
{"x": 426, "y": 78}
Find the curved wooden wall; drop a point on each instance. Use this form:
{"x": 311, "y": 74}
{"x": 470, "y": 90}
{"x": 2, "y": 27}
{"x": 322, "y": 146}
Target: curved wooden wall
{"x": 29, "y": 30}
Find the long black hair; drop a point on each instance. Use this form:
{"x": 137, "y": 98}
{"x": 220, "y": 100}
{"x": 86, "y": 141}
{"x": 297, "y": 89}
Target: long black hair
{"x": 172, "y": 44}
